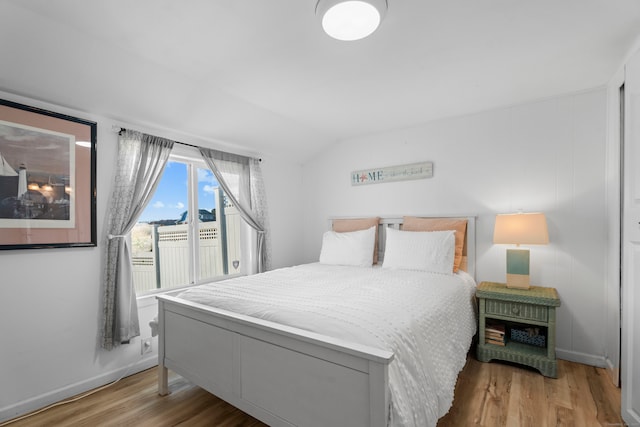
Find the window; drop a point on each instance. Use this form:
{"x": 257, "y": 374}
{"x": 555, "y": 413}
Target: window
{"x": 189, "y": 232}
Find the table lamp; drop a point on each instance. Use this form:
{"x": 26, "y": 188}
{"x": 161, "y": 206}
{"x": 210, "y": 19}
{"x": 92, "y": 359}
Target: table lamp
{"x": 520, "y": 229}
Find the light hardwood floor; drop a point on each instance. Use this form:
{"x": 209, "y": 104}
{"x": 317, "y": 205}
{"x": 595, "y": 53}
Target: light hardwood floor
{"x": 487, "y": 394}
{"x": 498, "y": 394}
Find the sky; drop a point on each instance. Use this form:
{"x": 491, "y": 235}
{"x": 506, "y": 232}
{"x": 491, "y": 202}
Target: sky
{"x": 170, "y": 199}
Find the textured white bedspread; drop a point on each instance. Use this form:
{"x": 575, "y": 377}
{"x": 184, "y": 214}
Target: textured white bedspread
{"x": 427, "y": 320}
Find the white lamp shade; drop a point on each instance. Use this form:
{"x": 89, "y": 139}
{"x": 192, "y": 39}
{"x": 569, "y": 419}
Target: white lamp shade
{"x": 521, "y": 229}
{"x": 350, "y": 20}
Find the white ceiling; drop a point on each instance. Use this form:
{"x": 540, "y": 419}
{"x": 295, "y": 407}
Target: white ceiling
{"x": 263, "y": 75}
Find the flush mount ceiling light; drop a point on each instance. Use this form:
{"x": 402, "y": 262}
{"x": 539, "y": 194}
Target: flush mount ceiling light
{"x": 350, "y": 20}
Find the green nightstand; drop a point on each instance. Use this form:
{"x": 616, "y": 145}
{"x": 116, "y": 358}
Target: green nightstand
{"x": 515, "y": 311}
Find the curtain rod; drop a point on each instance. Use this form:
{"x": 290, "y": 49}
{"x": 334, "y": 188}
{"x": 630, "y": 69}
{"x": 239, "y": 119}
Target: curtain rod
{"x": 120, "y": 129}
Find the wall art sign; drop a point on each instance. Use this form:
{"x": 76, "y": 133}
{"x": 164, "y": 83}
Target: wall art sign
{"x": 47, "y": 179}
{"x": 392, "y": 173}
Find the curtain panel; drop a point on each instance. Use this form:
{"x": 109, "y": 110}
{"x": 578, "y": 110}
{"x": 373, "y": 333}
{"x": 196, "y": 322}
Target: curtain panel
{"x": 140, "y": 164}
{"x": 248, "y": 196}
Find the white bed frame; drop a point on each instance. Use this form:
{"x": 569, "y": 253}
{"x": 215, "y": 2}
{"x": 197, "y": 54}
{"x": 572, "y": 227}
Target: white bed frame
{"x": 280, "y": 375}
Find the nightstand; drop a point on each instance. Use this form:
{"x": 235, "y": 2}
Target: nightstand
{"x": 527, "y": 319}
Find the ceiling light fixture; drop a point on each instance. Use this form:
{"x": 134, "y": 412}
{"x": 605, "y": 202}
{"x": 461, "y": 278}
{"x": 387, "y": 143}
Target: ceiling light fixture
{"x": 350, "y": 20}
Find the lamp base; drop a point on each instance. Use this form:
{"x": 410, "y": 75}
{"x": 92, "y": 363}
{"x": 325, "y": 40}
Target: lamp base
{"x": 518, "y": 281}
{"x": 518, "y": 268}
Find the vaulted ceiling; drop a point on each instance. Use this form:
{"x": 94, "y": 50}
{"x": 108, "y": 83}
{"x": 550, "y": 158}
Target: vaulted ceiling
{"x": 263, "y": 75}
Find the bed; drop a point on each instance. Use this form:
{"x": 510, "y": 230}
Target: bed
{"x": 328, "y": 344}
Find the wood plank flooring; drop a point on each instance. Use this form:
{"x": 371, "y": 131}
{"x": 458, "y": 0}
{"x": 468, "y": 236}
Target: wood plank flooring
{"x": 487, "y": 394}
{"x": 498, "y": 394}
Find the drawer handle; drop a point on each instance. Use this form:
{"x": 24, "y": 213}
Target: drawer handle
{"x": 515, "y": 310}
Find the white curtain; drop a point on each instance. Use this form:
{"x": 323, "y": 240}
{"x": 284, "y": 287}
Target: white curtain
{"x": 140, "y": 164}
{"x": 241, "y": 179}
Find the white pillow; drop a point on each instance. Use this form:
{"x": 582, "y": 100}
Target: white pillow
{"x": 349, "y": 248}
{"x": 431, "y": 251}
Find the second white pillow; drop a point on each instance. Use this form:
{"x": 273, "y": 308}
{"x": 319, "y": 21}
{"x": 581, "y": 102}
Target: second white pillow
{"x": 431, "y": 251}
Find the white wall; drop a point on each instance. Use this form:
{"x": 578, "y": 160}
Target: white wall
{"x": 284, "y": 194}
{"x": 545, "y": 156}
{"x": 49, "y": 299}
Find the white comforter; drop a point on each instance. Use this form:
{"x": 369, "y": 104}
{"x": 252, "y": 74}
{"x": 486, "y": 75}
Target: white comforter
{"x": 427, "y": 320}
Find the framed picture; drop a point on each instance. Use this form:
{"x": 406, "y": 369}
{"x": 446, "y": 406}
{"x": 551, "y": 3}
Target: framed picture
{"x": 47, "y": 179}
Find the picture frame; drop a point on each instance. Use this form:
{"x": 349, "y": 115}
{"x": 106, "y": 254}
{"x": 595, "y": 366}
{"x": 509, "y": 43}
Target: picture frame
{"x": 47, "y": 179}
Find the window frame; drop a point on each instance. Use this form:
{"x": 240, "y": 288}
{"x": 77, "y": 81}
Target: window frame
{"x": 190, "y": 156}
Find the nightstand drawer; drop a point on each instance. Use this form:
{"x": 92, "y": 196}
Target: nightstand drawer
{"x": 517, "y": 310}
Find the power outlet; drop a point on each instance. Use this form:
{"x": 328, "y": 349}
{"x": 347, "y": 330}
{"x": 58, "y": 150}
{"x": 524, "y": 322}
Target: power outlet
{"x": 145, "y": 346}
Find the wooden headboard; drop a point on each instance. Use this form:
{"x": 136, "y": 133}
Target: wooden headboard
{"x": 469, "y": 250}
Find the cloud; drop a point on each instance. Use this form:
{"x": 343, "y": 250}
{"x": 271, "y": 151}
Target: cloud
{"x": 209, "y": 189}
{"x": 19, "y": 134}
{"x": 205, "y": 175}
{"x": 11, "y": 133}
{"x": 160, "y": 205}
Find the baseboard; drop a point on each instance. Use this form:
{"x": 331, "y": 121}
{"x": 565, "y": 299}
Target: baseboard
{"x": 613, "y": 371}
{"x": 584, "y": 358}
{"x": 43, "y": 400}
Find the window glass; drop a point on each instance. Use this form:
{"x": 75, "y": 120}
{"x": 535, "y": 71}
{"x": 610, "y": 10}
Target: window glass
{"x": 167, "y": 251}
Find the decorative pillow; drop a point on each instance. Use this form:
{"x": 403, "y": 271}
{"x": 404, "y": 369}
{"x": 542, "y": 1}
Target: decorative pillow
{"x": 412, "y": 223}
{"x": 431, "y": 251}
{"x": 348, "y": 248}
{"x": 355, "y": 224}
